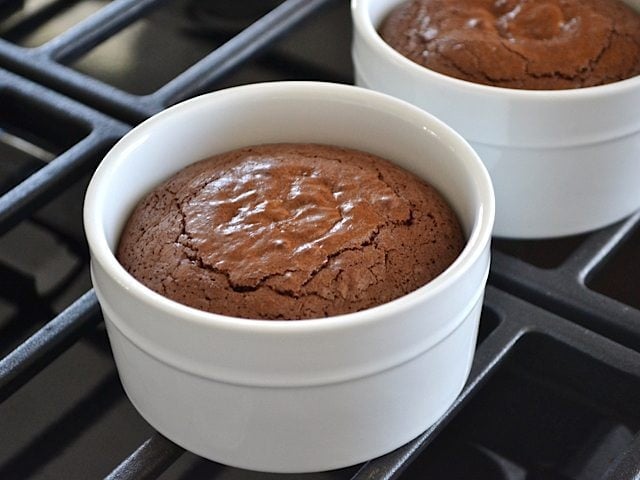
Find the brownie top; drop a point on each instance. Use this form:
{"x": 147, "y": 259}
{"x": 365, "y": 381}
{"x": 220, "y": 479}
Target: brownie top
{"x": 290, "y": 231}
{"x": 525, "y": 44}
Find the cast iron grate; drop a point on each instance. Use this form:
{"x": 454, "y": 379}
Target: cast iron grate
{"x": 50, "y": 62}
{"x": 550, "y": 395}
{"x": 596, "y": 284}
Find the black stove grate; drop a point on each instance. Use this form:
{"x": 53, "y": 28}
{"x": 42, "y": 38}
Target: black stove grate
{"x": 555, "y": 385}
{"x": 49, "y": 63}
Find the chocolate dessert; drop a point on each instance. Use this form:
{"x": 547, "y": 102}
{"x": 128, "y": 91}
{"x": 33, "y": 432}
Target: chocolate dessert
{"x": 290, "y": 231}
{"x": 525, "y": 44}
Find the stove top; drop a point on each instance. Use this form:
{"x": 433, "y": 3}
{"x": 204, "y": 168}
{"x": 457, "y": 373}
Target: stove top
{"x": 555, "y": 386}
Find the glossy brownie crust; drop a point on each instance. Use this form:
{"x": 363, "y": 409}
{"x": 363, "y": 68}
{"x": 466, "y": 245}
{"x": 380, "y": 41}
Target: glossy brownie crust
{"x": 525, "y": 44}
{"x": 289, "y": 231}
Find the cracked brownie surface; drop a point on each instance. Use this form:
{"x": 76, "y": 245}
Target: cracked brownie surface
{"x": 289, "y": 231}
{"x": 526, "y": 44}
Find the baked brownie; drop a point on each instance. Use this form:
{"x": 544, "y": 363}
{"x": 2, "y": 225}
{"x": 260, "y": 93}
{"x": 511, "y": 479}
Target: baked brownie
{"x": 526, "y": 44}
{"x": 290, "y": 231}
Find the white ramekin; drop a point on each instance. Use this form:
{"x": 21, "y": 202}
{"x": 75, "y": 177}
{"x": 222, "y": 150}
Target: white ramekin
{"x": 562, "y": 162}
{"x": 306, "y": 395}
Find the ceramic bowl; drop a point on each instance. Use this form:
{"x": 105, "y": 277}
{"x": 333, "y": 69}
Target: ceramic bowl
{"x": 304, "y": 395}
{"x": 562, "y": 162}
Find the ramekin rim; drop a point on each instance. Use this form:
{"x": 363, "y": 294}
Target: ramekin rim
{"x": 477, "y": 242}
{"x": 364, "y": 27}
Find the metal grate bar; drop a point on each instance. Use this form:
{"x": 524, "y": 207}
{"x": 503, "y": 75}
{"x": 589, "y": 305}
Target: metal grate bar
{"x": 568, "y": 295}
{"x": 150, "y": 459}
{"x": 238, "y": 50}
{"x": 41, "y": 64}
{"x": 46, "y": 344}
{"x": 596, "y": 249}
{"x": 627, "y": 465}
{"x": 98, "y": 27}
{"x": 52, "y": 178}
{"x": 33, "y": 192}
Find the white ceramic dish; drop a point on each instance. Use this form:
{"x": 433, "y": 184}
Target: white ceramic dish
{"x": 295, "y": 396}
{"x": 562, "y": 162}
